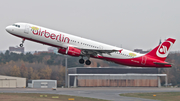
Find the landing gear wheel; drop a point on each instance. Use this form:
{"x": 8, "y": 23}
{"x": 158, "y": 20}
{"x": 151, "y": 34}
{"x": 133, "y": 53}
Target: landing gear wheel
{"x": 88, "y": 62}
{"x": 81, "y": 61}
{"x": 21, "y": 45}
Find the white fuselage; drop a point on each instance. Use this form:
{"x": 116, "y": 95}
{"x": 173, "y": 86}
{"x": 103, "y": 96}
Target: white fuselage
{"x": 60, "y": 39}
{"x": 77, "y": 46}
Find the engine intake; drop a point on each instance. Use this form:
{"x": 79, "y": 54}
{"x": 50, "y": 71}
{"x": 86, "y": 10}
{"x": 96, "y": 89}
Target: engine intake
{"x": 73, "y": 51}
{"x": 62, "y": 50}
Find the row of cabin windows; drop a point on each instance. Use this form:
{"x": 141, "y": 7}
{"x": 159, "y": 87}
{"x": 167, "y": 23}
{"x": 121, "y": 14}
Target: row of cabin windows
{"x": 83, "y": 44}
{"x": 123, "y": 54}
{"x": 97, "y": 47}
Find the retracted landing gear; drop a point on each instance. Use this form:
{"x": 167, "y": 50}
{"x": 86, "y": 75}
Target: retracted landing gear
{"x": 21, "y": 45}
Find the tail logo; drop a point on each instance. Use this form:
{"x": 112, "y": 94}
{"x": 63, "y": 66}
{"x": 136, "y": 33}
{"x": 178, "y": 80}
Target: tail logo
{"x": 163, "y": 49}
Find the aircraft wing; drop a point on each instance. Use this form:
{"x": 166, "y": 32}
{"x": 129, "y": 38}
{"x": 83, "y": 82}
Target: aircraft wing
{"x": 96, "y": 51}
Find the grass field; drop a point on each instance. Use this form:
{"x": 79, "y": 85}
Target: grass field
{"x": 42, "y": 97}
{"x": 163, "y": 96}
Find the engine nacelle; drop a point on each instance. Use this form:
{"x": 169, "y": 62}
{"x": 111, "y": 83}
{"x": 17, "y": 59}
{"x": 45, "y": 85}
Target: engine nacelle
{"x": 73, "y": 51}
{"x": 62, "y": 50}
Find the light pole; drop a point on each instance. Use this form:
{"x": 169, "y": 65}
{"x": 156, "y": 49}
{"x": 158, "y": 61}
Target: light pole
{"x": 66, "y": 71}
{"x": 66, "y": 79}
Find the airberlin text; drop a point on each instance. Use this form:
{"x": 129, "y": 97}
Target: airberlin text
{"x": 46, "y": 34}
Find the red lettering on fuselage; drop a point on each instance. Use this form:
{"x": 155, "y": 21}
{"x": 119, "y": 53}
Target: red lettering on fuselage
{"x": 67, "y": 39}
{"x": 63, "y": 38}
{"x": 52, "y": 36}
{"x": 46, "y": 34}
{"x": 35, "y": 32}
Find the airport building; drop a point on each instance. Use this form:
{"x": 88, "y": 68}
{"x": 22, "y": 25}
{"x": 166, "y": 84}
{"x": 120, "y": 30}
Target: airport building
{"x": 42, "y": 83}
{"x": 17, "y": 50}
{"x": 12, "y": 82}
{"x": 114, "y": 77}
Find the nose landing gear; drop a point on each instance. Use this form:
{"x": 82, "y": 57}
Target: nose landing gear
{"x": 21, "y": 45}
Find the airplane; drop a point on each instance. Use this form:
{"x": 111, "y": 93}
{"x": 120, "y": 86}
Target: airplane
{"x": 72, "y": 45}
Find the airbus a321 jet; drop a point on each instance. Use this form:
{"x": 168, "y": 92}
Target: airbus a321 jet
{"x": 76, "y": 46}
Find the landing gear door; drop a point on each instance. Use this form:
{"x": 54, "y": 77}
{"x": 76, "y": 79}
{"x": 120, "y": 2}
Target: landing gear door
{"x": 26, "y": 30}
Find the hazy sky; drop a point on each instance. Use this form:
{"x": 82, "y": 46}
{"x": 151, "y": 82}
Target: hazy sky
{"x": 130, "y": 23}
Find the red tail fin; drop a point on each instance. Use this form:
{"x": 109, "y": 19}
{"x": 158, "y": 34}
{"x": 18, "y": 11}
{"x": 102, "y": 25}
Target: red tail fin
{"x": 161, "y": 51}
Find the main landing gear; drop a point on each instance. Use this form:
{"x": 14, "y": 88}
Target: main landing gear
{"x": 87, "y": 62}
{"x": 21, "y": 45}
{"x": 81, "y": 61}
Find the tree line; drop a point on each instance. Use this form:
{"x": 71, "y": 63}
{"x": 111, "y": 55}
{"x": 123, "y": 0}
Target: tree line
{"x": 52, "y": 66}
{"x": 173, "y": 73}
{"x": 42, "y": 65}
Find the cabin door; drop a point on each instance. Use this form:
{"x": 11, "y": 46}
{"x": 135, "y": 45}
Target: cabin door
{"x": 26, "y": 30}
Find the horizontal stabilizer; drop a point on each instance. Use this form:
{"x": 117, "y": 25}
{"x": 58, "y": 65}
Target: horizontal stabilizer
{"x": 159, "y": 63}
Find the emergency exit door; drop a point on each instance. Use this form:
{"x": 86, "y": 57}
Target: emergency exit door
{"x": 144, "y": 58}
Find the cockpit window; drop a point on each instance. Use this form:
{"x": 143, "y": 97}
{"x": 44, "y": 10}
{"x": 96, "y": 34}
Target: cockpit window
{"x": 16, "y": 25}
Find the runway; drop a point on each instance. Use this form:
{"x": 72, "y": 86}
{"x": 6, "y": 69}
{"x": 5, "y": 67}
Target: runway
{"x": 107, "y": 93}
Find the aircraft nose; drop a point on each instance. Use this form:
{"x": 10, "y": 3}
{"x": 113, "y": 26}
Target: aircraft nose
{"x": 8, "y": 29}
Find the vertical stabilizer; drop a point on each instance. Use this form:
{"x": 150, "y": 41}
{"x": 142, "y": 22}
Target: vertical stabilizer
{"x": 162, "y": 51}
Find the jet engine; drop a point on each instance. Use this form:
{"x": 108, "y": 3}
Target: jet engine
{"x": 73, "y": 51}
{"x": 62, "y": 50}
